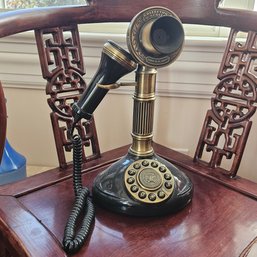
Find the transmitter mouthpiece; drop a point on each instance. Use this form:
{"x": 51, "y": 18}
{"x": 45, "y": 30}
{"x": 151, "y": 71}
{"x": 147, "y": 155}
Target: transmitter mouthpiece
{"x": 166, "y": 35}
{"x": 155, "y": 37}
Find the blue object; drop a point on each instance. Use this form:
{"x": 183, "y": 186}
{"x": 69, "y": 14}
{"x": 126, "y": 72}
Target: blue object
{"x": 13, "y": 165}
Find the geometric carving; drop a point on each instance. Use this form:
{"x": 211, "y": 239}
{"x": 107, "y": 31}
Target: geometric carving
{"x": 62, "y": 66}
{"x": 227, "y": 124}
{"x": 234, "y": 99}
{"x": 61, "y": 94}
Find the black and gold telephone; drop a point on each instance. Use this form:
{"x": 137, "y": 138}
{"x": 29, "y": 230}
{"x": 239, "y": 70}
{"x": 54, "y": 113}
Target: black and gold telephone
{"x": 141, "y": 183}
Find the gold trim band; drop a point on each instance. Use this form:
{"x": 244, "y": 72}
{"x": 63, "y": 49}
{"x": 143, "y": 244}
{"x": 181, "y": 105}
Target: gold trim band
{"x": 120, "y": 55}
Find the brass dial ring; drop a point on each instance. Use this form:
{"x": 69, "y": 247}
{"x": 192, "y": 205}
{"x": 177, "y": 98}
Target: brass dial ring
{"x": 149, "y": 181}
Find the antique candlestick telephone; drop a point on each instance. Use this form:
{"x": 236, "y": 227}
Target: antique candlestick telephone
{"x": 141, "y": 183}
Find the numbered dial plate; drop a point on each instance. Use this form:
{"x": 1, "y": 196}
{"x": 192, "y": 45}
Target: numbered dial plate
{"x": 149, "y": 181}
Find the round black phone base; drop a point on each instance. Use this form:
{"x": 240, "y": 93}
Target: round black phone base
{"x": 141, "y": 190}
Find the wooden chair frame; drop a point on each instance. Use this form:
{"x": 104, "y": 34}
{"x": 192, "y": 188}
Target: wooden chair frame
{"x": 233, "y": 105}
{"x": 227, "y": 120}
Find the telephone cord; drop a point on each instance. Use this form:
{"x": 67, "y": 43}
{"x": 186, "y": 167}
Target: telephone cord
{"x": 72, "y": 242}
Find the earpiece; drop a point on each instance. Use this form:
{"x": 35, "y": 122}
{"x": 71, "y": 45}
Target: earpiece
{"x": 115, "y": 63}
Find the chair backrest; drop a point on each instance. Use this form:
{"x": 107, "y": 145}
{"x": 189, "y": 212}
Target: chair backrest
{"x": 3, "y": 119}
{"x": 227, "y": 124}
{"x": 62, "y": 66}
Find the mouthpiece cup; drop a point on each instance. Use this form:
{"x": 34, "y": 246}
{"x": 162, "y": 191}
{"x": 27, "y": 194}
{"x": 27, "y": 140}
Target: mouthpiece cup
{"x": 167, "y": 35}
{"x": 155, "y": 37}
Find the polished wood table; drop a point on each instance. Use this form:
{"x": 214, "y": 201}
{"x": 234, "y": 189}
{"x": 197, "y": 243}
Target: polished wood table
{"x": 220, "y": 221}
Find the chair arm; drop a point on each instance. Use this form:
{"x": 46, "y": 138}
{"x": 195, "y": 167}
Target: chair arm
{"x": 205, "y": 12}
{"x": 3, "y": 121}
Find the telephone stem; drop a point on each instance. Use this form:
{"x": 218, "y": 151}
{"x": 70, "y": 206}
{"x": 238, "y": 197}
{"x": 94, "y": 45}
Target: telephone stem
{"x": 143, "y": 112}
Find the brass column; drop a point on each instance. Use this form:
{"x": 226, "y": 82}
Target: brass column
{"x": 143, "y": 113}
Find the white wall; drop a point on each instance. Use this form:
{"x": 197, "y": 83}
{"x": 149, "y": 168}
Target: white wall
{"x": 183, "y": 94}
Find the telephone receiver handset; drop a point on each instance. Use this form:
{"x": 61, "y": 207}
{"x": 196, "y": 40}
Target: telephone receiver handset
{"x": 141, "y": 183}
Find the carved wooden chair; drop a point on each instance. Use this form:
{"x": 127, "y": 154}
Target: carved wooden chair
{"x": 62, "y": 66}
{"x": 226, "y": 126}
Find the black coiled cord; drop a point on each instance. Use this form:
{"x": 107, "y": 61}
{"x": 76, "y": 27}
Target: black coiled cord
{"x": 72, "y": 242}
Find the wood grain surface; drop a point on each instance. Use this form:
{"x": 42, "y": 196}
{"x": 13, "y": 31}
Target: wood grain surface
{"x": 220, "y": 221}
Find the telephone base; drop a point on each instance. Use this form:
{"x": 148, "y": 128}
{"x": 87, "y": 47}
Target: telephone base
{"x": 152, "y": 193}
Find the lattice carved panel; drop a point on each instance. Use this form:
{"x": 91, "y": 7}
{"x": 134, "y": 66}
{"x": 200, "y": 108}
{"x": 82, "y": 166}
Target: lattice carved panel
{"x": 227, "y": 124}
{"x": 62, "y": 66}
